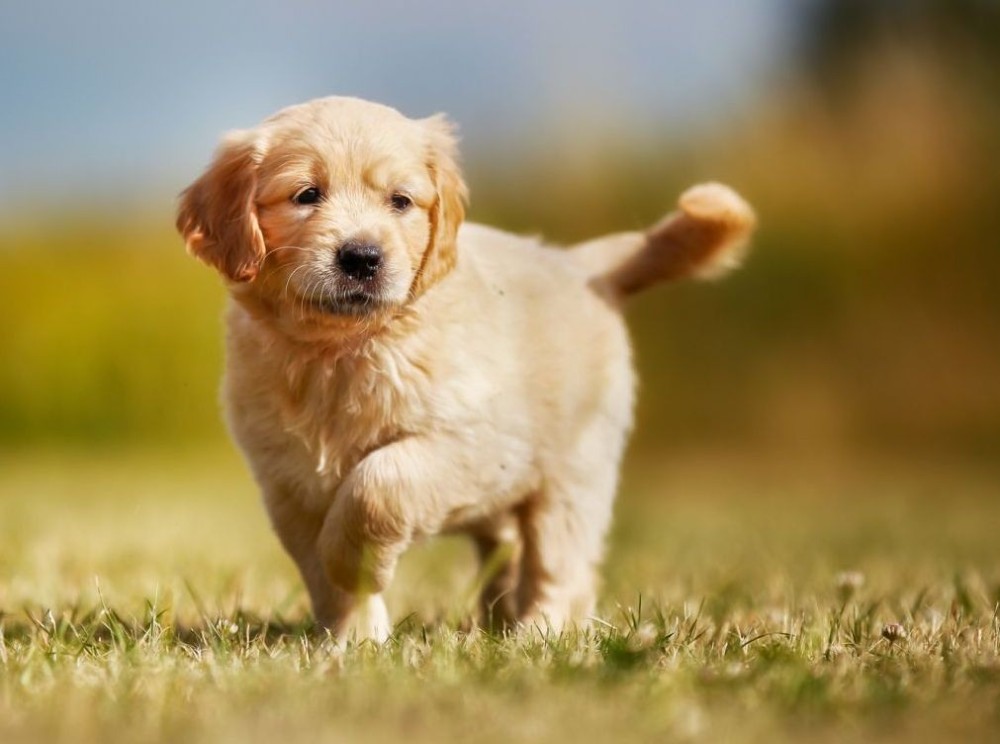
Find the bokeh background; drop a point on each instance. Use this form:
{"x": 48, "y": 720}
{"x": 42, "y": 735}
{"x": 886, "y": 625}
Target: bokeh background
{"x": 866, "y": 133}
{"x": 834, "y": 406}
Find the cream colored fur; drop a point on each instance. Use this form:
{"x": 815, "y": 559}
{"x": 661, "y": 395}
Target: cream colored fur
{"x": 487, "y": 386}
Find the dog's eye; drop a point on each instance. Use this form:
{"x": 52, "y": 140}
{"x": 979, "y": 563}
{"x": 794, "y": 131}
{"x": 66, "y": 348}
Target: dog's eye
{"x": 310, "y": 195}
{"x": 401, "y": 202}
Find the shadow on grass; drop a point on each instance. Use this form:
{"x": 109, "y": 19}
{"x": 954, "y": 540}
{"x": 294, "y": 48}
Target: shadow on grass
{"x": 105, "y": 627}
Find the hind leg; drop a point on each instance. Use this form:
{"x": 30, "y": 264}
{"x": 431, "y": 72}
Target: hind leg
{"x": 498, "y": 545}
{"x": 564, "y": 530}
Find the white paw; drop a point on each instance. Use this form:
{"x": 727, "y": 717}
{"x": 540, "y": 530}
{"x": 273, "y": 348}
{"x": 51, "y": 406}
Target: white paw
{"x": 370, "y": 620}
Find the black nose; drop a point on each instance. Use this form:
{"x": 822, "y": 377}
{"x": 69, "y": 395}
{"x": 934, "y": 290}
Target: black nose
{"x": 359, "y": 260}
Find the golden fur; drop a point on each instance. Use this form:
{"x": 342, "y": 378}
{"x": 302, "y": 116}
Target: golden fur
{"x": 481, "y": 382}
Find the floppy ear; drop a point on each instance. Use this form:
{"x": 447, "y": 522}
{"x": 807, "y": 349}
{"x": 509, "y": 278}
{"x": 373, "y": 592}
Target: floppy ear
{"x": 448, "y": 209}
{"x": 217, "y": 215}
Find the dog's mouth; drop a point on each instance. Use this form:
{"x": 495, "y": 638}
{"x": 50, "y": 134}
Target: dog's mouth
{"x": 357, "y": 302}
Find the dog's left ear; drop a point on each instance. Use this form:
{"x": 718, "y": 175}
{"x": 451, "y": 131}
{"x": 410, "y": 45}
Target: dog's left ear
{"x": 448, "y": 210}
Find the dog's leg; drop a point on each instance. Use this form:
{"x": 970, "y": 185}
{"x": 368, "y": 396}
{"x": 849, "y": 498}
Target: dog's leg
{"x": 562, "y": 551}
{"x": 563, "y": 528}
{"x": 406, "y": 489}
{"x": 499, "y": 547}
{"x": 298, "y": 531}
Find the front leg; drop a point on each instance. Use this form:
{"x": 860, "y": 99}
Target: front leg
{"x": 406, "y": 489}
{"x": 338, "y": 611}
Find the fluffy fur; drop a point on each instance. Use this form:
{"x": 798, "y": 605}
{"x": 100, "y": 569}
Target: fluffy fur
{"x": 480, "y": 382}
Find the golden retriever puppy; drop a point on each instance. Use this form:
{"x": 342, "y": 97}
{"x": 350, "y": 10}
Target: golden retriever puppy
{"x": 393, "y": 373}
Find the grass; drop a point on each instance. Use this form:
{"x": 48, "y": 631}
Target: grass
{"x": 144, "y": 599}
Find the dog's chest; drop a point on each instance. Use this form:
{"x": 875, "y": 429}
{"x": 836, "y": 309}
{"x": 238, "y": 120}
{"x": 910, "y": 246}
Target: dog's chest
{"x": 338, "y": 408}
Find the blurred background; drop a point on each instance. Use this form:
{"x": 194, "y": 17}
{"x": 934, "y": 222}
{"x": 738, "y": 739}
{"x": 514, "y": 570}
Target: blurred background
{"x": 866, "y": 133}
{"x": 834, "y": 405}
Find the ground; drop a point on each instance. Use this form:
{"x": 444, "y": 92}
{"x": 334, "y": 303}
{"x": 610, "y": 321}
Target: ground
{"x": 143, "y": 598}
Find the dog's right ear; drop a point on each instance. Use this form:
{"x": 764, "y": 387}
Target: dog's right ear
{"x": 217, "y": 215}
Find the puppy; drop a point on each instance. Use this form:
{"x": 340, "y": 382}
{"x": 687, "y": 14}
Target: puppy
{"x": 393, "y": 373}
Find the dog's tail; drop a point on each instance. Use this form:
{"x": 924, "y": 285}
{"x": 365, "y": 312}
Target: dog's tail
{"x": 705, "y": 238}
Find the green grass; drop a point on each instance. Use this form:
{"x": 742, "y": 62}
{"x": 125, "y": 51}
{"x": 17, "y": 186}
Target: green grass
{"x": 144, "y": 599}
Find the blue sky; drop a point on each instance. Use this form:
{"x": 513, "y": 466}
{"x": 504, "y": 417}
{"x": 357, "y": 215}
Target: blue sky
{"x": 101, "y": 98}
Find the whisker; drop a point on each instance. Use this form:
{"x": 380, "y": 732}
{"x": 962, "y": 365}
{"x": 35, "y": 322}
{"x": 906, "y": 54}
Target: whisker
{"x": 317, "y": 284}
{"x": 304, "y": 298}
{"x": 284, "y": 291}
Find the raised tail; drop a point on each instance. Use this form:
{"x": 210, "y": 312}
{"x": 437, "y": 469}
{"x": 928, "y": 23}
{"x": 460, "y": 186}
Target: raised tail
{"x": 705, "y": 238}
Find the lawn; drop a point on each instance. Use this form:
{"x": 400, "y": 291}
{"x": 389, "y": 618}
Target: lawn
{"x": 143, "y": 598}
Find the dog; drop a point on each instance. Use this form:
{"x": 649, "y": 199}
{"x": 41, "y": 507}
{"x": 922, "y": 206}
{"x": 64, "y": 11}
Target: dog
{"x": 394, "y": 373}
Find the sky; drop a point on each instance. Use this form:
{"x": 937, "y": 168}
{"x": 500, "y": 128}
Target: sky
{"x": 103, "y": 99}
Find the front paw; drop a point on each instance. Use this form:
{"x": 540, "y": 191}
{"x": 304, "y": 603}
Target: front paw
{"x": 366, "y": 620}
{"x": 370, "y": 621}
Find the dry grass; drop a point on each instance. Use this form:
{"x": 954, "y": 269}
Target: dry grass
{"x": 144, "y": 599}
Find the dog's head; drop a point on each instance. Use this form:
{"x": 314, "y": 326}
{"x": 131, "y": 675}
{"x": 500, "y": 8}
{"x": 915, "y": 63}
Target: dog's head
{"x": 337, "y": 207}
